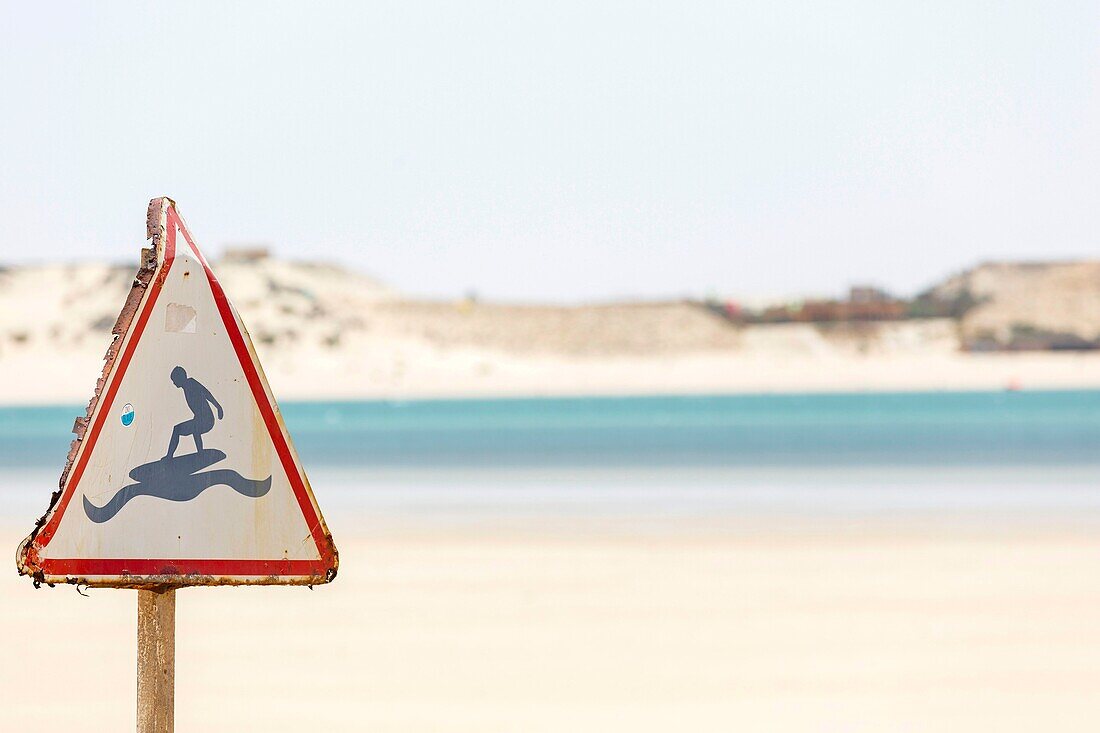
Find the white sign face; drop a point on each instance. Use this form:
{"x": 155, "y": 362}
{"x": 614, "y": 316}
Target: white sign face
{"x": 185, "y": 474}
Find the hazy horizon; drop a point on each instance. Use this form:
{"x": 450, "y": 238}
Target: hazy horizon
{"x": 566, "y": 154}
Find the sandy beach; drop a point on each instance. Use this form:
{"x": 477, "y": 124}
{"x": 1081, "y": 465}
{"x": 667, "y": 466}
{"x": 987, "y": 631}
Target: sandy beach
{"x": 626, "y": 368}
{"x": 788, "y": 626}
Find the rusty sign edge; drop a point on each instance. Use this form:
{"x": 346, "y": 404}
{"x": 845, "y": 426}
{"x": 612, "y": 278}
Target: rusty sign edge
{"x": 150, "y": 271}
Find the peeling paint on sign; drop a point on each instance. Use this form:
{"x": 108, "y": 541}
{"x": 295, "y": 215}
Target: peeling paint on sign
{"x": 205, "y": 488}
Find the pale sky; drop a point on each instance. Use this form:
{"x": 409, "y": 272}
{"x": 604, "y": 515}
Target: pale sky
{"x": 561, "y": 151}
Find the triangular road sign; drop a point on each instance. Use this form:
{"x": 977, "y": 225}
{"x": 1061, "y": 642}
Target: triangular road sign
{"x": 182, "y": 472}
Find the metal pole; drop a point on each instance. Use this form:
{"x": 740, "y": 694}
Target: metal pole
{"x": 156, "y": 661}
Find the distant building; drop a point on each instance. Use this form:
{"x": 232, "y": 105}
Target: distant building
{"x": 246, "y": 254}
{"x": 868, "y": 294}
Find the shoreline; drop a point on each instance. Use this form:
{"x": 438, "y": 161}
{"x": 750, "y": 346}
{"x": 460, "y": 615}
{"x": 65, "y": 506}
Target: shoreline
{"x": 447, "y": 397}
{"x": 43, "y": 379}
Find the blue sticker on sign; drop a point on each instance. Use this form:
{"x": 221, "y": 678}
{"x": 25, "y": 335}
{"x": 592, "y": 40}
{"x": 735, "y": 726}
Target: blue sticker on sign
{"x": 127, "y": 414}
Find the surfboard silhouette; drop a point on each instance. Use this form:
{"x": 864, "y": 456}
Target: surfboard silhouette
{"x": 177, "y": 479}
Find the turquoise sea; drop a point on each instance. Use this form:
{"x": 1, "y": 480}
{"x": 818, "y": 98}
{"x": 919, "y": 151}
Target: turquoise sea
{"x": 840, "y": 454}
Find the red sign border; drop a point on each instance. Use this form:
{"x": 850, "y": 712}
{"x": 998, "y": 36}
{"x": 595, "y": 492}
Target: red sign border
{"x": 190, "y": 571}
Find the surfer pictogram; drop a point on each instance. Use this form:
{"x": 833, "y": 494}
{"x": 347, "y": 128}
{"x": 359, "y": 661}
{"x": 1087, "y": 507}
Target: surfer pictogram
{"x": 177, "y": 478}
{"x": 199, "y": 401}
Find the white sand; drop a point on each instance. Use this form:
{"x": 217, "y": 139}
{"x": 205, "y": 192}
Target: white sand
{"x": 833, "y": 628}
{"x": 402, "y": 370}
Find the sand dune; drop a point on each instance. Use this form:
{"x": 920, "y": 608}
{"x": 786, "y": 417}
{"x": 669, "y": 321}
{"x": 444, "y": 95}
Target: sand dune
{"x": 1015, "y": 298}
{"x": 324, "y": 332}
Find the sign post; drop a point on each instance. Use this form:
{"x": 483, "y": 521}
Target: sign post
{"x": 156, "y": 661}
{"x": 182, "y": 472}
